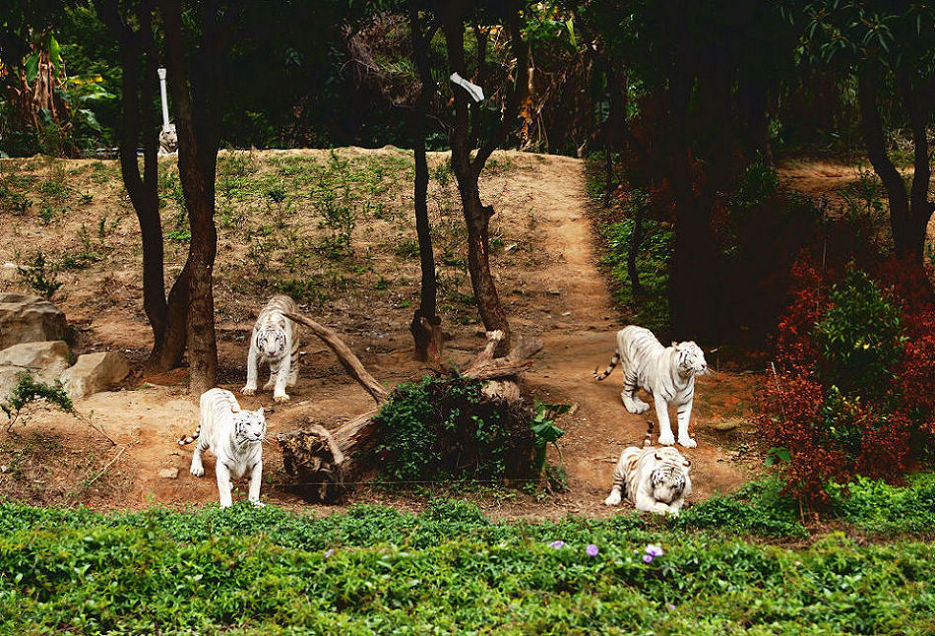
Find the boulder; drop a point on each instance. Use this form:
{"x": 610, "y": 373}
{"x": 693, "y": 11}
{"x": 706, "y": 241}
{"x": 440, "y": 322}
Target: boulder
{"x": 94, "y": 372}
{"x": 29, "y": 319}
{"x": 45, "y": 360}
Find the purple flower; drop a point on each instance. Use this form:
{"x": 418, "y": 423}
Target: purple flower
{"x": 329, "y": 552}
{"x": 647, "y": 558}
{"x": 592, "y": 550}
{"x": 557, "y": 544}
{"x": 654, "y": 550}
{"x": 670, "y": 607}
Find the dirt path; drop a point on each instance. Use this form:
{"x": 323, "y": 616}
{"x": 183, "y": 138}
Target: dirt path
{"x": 584, "y": 339}
{"x": 550, "y": 283}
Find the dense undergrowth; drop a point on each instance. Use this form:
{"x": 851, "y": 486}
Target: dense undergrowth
{"x": 377, "y": 569}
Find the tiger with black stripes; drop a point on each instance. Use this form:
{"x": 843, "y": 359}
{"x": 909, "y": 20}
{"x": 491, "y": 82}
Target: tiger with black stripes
{"x": 653, "y": 479}
{"x": 666, "y": 372}
{"x": 275, "y": 341}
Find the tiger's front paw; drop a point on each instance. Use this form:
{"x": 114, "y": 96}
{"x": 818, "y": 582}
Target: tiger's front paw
{"x": 687, "y": 442}
{"x": 258, "y": 504}
{"x": 666, "y": 439}
{"x": 248, "y": 391}
{"x": 613, "y": 499}
{"x": 281, "y": 398}
{"x": 197, "y": 469}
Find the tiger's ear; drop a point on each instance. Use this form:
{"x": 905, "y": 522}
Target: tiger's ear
{"x": 260, "y": 412}
{"x": 687, "y": 463}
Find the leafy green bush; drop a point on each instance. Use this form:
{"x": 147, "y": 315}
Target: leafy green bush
{"x": 448, "y": 428}
{"x": 878, "y": 507}
{"x": 860, "y": 335}
{"x": 758, "y": 182}
{"x": 29, "y": 390}
{"x": 758, "y": 508}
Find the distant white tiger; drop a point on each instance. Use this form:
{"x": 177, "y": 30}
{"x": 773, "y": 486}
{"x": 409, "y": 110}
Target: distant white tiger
{"x": 653, "y": 479}
{"x": 275, "y": 341}
{"x": 666, "y": 372}
{"x": 235, "y": 437}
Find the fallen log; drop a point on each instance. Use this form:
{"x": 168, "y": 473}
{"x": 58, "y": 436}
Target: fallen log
{"x": 325, "y": 463}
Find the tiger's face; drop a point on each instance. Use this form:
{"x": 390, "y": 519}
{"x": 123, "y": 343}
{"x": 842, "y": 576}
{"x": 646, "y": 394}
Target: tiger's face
{"x": 669, "y": 478}
{"x": 271, "y": 341}
{"x": 249, "y": 427}
{"x": 691, "y": 359}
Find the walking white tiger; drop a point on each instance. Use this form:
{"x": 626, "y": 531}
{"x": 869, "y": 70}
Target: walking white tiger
{"x": 666, "y": 372}
{"x": 275, "y": 341}
{"x": 653, "y": 479}
{"x": 235, "y": 437}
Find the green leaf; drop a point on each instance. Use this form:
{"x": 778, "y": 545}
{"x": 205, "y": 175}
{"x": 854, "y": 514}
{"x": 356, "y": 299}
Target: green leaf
{"x": 32, "y": 67}
{"x": 55, "y": 55}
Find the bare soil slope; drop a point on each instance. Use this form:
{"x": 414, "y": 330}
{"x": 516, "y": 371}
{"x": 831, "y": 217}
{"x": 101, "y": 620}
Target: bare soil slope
{"x": 544, "y": 260}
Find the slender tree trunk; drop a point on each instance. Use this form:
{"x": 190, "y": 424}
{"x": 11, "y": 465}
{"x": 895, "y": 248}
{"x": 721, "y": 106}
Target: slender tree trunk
{"x": 476, "y": 214}
{"x": 197, "y": 129}
{"x": 426, "y": 325}
{"x": 872, "y": 128}
{"x": 138, "y": 60}
{"x": 919, "y": 101}
{"x": 692, "y": 288}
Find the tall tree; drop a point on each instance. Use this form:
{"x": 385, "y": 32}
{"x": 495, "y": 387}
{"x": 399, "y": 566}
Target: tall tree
{"x": 139, "y": 59}
{"x": 426, "y": 324}
{"x": 889, "y": 47}
{"x": 466, "y": 133}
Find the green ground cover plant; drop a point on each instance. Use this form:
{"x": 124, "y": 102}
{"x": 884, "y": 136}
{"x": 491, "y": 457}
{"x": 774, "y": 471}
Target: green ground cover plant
{"x": 449, "y": 568}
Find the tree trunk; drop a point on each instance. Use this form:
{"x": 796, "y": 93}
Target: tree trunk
{"x": 167, "y": 319}
{"x": 426, "y": 325}
{"x": 693, "y": 302}
{"x": 476, "y": 215}
{"x": 195, "y": 96}
{"x": 872, "y": 128}
{"x": 919, "y": 102}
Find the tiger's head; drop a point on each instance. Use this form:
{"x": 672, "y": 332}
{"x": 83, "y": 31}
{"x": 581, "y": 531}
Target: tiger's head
{"x": 669, "y": 477}
{"x": 249, "y": 427}
{"x": 271, "y": 340}
{"x": 690, "y": 359}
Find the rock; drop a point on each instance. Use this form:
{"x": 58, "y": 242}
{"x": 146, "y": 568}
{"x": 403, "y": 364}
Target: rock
{"x": 51, "y": 356}
{"x": 94, "y": 372}
{"x": 727, "y": 425}
{"x": 29, "y": 319}
{"x": 169, "y": 473}
{"x": 45, "y": 360}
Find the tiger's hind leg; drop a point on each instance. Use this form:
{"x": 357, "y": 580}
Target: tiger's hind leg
{"x": 632, "y": 403}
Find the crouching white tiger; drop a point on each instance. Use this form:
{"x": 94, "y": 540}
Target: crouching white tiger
{"x": 274, "y": 341}
{"x": 235, "y": 437}
{"x": 653, "y": 479}
{"x": 666, "y": 372}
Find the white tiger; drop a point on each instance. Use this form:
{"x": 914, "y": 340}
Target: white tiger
{"x": 653, "y": 479}
{"x": 666, "y": 372}
{"x": 235, "y": 437}
{"x": 275, "y": 340}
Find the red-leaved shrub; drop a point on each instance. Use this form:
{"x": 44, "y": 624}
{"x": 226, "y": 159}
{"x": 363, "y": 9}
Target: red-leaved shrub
{"x": 833, "y": 433}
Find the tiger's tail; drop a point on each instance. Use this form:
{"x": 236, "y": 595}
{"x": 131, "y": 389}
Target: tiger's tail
{"x": 188, "y": 439}
{"x": 613, "y": 364}
{"x": 648, "y": 440}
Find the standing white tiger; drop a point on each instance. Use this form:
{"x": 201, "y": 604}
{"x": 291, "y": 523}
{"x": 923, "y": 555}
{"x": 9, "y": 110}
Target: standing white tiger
{"x": 654, "y": 479}
{"x": 666, "y": 372}
{"x": 275, "y": 340}
{"x": 235, "y": 437}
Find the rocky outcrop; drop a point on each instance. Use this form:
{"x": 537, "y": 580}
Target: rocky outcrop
{"x": 95, "y": 372}
{"x": 29, "y": 319}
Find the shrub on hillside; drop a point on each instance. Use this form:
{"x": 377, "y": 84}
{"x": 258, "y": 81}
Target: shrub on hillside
{"x": 448, "y": 428}
{"x": 853, "y": 391}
